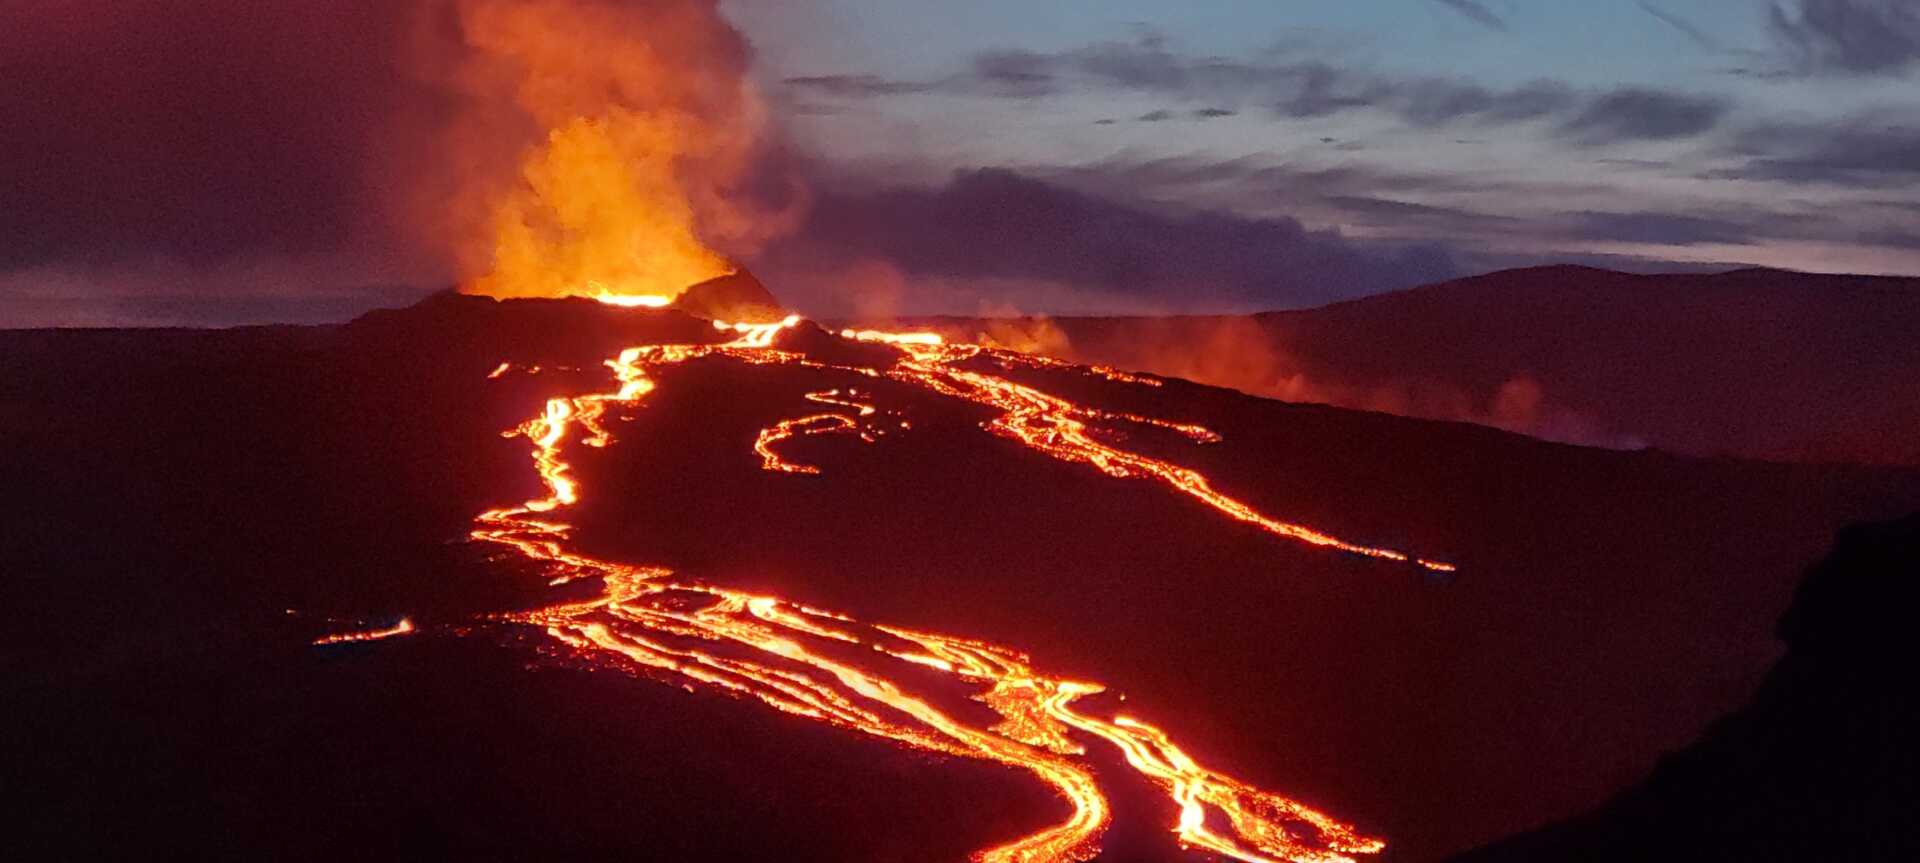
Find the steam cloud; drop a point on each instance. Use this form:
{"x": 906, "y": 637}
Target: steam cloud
{"x": 247, "y": 152}
{"x": 1240, "y": 353}
{"x": 645, "y": 129}
{"x": 381, "y": 141}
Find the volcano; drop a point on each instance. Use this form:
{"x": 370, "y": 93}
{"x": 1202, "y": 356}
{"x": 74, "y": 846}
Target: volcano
{"x": 561, "y": 579}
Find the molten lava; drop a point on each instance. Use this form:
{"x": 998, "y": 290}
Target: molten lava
{"x": 632, "y": 301}
{"x": 812, "y": 424}
{"x": 830, "y": 668}
{"x": 404, "y": 627}
{"x": 1060, "y": 429}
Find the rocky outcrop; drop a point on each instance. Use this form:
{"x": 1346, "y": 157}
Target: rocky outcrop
{"x": 736, "y": 297}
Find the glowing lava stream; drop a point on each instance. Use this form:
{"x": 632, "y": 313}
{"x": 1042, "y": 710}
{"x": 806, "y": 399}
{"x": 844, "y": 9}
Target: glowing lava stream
{"x": 811, "y": 425}
{"x": 1059, "y": 428}
{"x": 821, "y": 665}
{"x": 404, "y": 627}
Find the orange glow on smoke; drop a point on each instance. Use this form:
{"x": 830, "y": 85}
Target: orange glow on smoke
{"x": 830, "y": 668}
{"x": 640, "y": 136}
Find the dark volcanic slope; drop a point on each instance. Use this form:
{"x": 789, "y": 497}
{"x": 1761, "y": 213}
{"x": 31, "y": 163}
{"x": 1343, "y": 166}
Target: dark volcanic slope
{"x": 1753, "y": 363}
{"x": 175, "y": 494}
{"x": 1824, "y": 764}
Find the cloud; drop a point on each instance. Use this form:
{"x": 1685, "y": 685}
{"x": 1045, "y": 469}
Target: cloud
{"x": 1143, "y": 64}
{"x": 1387, "y": 212}
{"x": 1306, "y": 88}
{"x": 1654, "y": 228}
{"x": 1852, "y": 37}
{"x": 1320, "y": 90}
{"x": 1292, "y": 85}
{"x": 857, "y": 86}
{"x": 1896, "y": 237}
{"x": 1258, "y": 182}
{"x": 1639, "y": 114}
{"x": 1017, "y": 74}
{"x": 1477, "y": 13}
{"x": 1147, "y": 63}
{"x": 1435, "y": 101}
{"x": 1473, "y": 216}
{"x": 1866, "y": 153}
{"x": 998, "y": 225}
{"x": 1686, "y": 28}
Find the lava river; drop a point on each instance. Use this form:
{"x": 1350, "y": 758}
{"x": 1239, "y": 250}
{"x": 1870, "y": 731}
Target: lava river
{"x": 830, "y": 668}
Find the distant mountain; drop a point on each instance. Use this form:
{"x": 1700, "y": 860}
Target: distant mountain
{"x": 1752, "y": 363}
{"x": 1823, "y": 764}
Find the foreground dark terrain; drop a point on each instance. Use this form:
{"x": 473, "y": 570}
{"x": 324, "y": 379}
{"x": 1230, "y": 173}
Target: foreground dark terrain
{"x": 1762, "y": 364}
{"x": 1820, "y": 765}
{"x": 188, "y": 510}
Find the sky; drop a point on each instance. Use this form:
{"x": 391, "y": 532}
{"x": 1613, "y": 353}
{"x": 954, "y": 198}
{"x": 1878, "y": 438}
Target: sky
{"x": 1644, "y": 135}
{"x": 998, "y": 157}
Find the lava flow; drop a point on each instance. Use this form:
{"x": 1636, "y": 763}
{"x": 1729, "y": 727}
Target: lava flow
{"x": 831, "y": 668}
{"x": 404, "y": 627}
{"x": 812, "y": 424}
{"x": 1060, "y": 429}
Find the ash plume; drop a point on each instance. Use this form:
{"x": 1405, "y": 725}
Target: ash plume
{"x": 226, "y": 148}
{"x": 643, "y": 127}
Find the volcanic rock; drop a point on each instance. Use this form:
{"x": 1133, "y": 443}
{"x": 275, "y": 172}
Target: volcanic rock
{"x": 736, "y": 297}
{"x": 198, "y": 506}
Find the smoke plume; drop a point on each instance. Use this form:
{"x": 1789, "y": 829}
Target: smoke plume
{"x": 221, "y": 150}
{"x": 642, "y": 128}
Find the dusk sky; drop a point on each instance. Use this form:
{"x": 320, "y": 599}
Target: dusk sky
{"x": 1680, "y": 130}
{"x": 1117, "y": 156}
